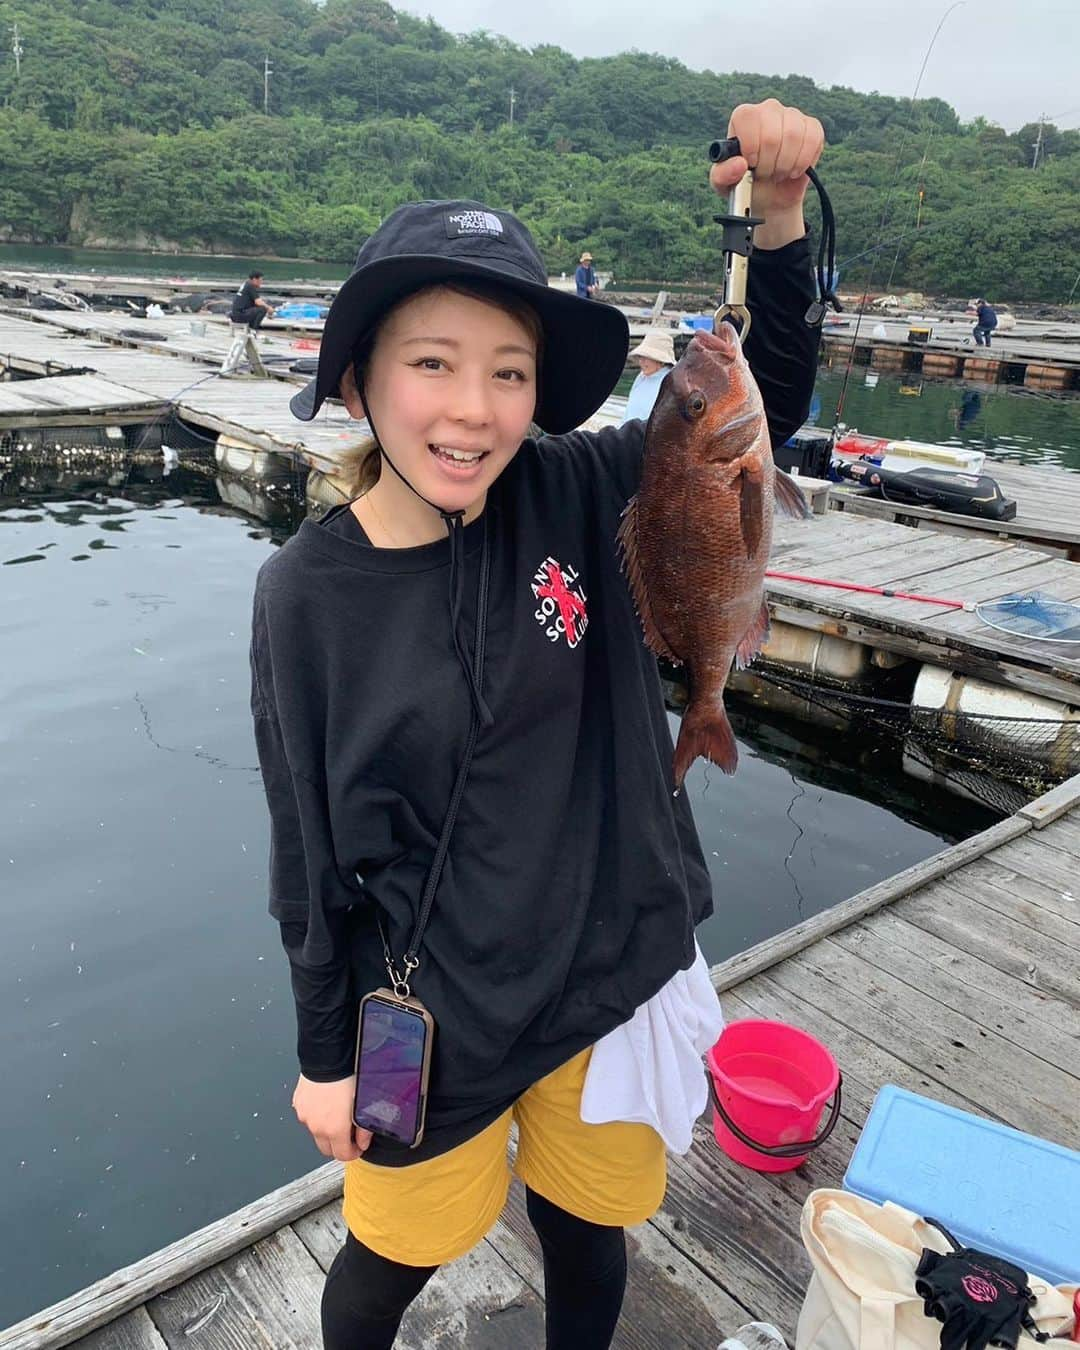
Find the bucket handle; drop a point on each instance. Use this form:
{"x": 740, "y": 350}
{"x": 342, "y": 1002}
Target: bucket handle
{"x": 779, "y": 1150}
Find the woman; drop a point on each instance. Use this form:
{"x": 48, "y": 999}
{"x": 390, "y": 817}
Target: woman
{"x": 655, "y": 355}
{"x": 465, "y": 748}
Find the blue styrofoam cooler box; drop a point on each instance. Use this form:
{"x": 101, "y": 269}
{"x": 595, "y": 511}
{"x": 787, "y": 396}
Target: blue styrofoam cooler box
{"x": 1004, "y": 1192}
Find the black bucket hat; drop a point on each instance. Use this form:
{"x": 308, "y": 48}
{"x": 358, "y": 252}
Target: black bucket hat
{"x": 585, "y": 343}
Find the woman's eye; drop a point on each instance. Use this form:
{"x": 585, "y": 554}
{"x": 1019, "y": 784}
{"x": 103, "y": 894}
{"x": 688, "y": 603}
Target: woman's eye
{"x": 510, "y": 375}
{"x": 429, "y": 363}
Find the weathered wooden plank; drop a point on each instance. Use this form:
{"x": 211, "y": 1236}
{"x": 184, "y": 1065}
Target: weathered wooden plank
{"x": 1047, "y": 909}
{"x": 952, "y": 583}
{"x": 1054, "y": 804}
{"x": 266, "y": 1296}
{"x": 864, "y": 1064}
{"x": 951, "y": 913}
{"x": 820, "y": 539}
{"x": 1055, "y": 577}
{"x": 1018, "y": 997}
{"x": 980, "y": 1004}
{"x": 909, "y": 562}
{"x": 322, "y": 1232}
{"x": 667, "y": 1295}
{"x": 1023, "y": 525}
{"x": 1063, "y": 836}
{"x": 478, "y": 1300}
{"x": 134, "y": 1331}
{"x": 1027, "y": 1093}
{"x": 124, "y": 1289}
{"x": 916, "y": 560}
{"x": 670, "y": 1300}
{"x": 732, "y": 1221}
{"x": 765, "y": 954}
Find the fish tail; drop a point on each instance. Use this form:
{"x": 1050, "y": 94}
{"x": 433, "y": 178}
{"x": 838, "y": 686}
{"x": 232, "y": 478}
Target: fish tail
{"x": 705, "y": 731}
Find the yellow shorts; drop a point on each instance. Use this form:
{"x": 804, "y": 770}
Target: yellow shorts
{"x": 436, "y": 1210}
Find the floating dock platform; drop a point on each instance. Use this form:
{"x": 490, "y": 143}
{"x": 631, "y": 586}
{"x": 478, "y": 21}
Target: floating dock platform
{"x": 969, "y": 959}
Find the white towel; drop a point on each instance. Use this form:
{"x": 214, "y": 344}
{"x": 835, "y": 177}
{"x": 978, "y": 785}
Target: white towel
{"x": 649, "y": 1070}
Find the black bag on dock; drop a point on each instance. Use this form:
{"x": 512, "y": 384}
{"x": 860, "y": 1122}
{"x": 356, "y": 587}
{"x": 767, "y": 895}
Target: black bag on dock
{"x": 966, "y": 494}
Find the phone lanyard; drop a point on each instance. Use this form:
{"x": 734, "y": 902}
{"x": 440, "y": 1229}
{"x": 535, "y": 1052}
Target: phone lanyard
{"x": 399, "y": 979}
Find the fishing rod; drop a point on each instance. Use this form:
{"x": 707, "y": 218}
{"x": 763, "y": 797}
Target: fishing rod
{"x": 870, "y": 590}
{"x": 884, "y": 216}
{"x": 737, "y": 244}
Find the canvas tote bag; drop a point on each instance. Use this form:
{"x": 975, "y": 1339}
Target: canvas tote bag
{"x": 862, "y": 1292}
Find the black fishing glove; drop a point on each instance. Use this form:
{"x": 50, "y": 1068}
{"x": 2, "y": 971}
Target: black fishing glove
{"x": 982, "y": 1300}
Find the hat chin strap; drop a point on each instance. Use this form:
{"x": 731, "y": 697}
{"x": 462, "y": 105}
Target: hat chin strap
{"x": 455, "y": 527}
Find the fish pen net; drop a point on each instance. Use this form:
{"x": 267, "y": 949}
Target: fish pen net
{"x": 1033, "y": 753}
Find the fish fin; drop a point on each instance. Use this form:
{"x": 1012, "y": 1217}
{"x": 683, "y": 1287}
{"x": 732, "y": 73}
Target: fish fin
{"x": 751, "y": 509}
{"x": 706, "y": 731}
{"x": 754, "y": 638}
{"x": 635, "y": 576}
{"x": 789, "y": 500}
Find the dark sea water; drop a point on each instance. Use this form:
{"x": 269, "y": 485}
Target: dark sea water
{"x": 148, "y": 1048}
{"x": 1008, "y": 422}
{"x": 1027, "y": 426}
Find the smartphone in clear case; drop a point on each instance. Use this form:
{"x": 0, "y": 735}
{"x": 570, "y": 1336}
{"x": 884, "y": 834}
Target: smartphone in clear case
{"x": 393, "y": 1063}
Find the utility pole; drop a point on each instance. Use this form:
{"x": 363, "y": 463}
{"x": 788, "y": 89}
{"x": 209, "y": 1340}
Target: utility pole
{"x": 513, "y": 100}
{"x": 267, "y": 72}
{"x": 16, "y": 47}
{"x": 1038, "y": 142}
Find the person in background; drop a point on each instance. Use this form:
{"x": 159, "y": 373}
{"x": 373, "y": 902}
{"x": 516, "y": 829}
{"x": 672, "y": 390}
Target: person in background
{"x": 585, "y": 278}
{"x": 987, "y": 322}
{"x": 248, "y": 306}
{"x": 655, "y": 354}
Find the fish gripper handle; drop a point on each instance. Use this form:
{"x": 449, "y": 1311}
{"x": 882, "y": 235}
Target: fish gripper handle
{"x": 738, "y": 229}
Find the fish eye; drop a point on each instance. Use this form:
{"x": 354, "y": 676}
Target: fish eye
{"x": 695, "y": 404}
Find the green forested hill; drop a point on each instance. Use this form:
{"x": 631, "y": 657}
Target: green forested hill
{"x": 141, "y": 122}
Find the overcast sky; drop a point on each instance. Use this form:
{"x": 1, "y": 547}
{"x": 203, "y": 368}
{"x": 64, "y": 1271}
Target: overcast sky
{"x": 1007, "y": 60}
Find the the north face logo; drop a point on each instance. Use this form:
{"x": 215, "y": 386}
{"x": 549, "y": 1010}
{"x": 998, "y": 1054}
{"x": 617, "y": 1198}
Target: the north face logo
{"x": 472, "y": 222}
{"x": 561, "y": 611}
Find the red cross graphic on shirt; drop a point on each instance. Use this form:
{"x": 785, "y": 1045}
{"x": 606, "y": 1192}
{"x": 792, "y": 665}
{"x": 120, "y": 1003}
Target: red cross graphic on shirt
{"x": 570, "y": 606}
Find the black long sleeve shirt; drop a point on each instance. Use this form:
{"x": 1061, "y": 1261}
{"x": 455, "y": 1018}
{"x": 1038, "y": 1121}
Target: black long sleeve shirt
{"x": 574, "y": 878}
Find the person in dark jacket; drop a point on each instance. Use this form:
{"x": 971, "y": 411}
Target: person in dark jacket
{"x": 585, "y": 282}
{"x": 248, "y": 306}
{"x": 985, "y": 324}
{"x": 466, "y": 752}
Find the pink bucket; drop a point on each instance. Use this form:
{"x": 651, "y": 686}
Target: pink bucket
{"x": 769, "y": 1084}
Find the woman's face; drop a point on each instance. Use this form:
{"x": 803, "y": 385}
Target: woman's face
{"x": 452, "y": 389}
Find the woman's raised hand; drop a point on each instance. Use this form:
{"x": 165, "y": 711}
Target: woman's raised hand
{"x": 779, "y": 144}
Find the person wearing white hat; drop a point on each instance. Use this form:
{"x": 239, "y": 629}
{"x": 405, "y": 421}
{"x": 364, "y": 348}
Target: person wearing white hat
{"x": 655, "y": 354}
{"x": 585, "y": 282}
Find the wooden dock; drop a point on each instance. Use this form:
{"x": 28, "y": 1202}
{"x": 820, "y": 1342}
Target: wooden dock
{"x": 1024, "y": 356}
{"x": 177, "y": 367}
{"x": 1046, "y": 517}
{"x": 967, "y": 959}
{"x": 841, "y": 547}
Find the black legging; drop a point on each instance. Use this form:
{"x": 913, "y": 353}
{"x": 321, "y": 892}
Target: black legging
{"x": 584, "y": 1280}
{"x": 253, "y": 316}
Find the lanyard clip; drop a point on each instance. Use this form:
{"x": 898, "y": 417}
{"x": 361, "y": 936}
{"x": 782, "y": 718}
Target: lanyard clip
{"x": 399, "y": 983}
